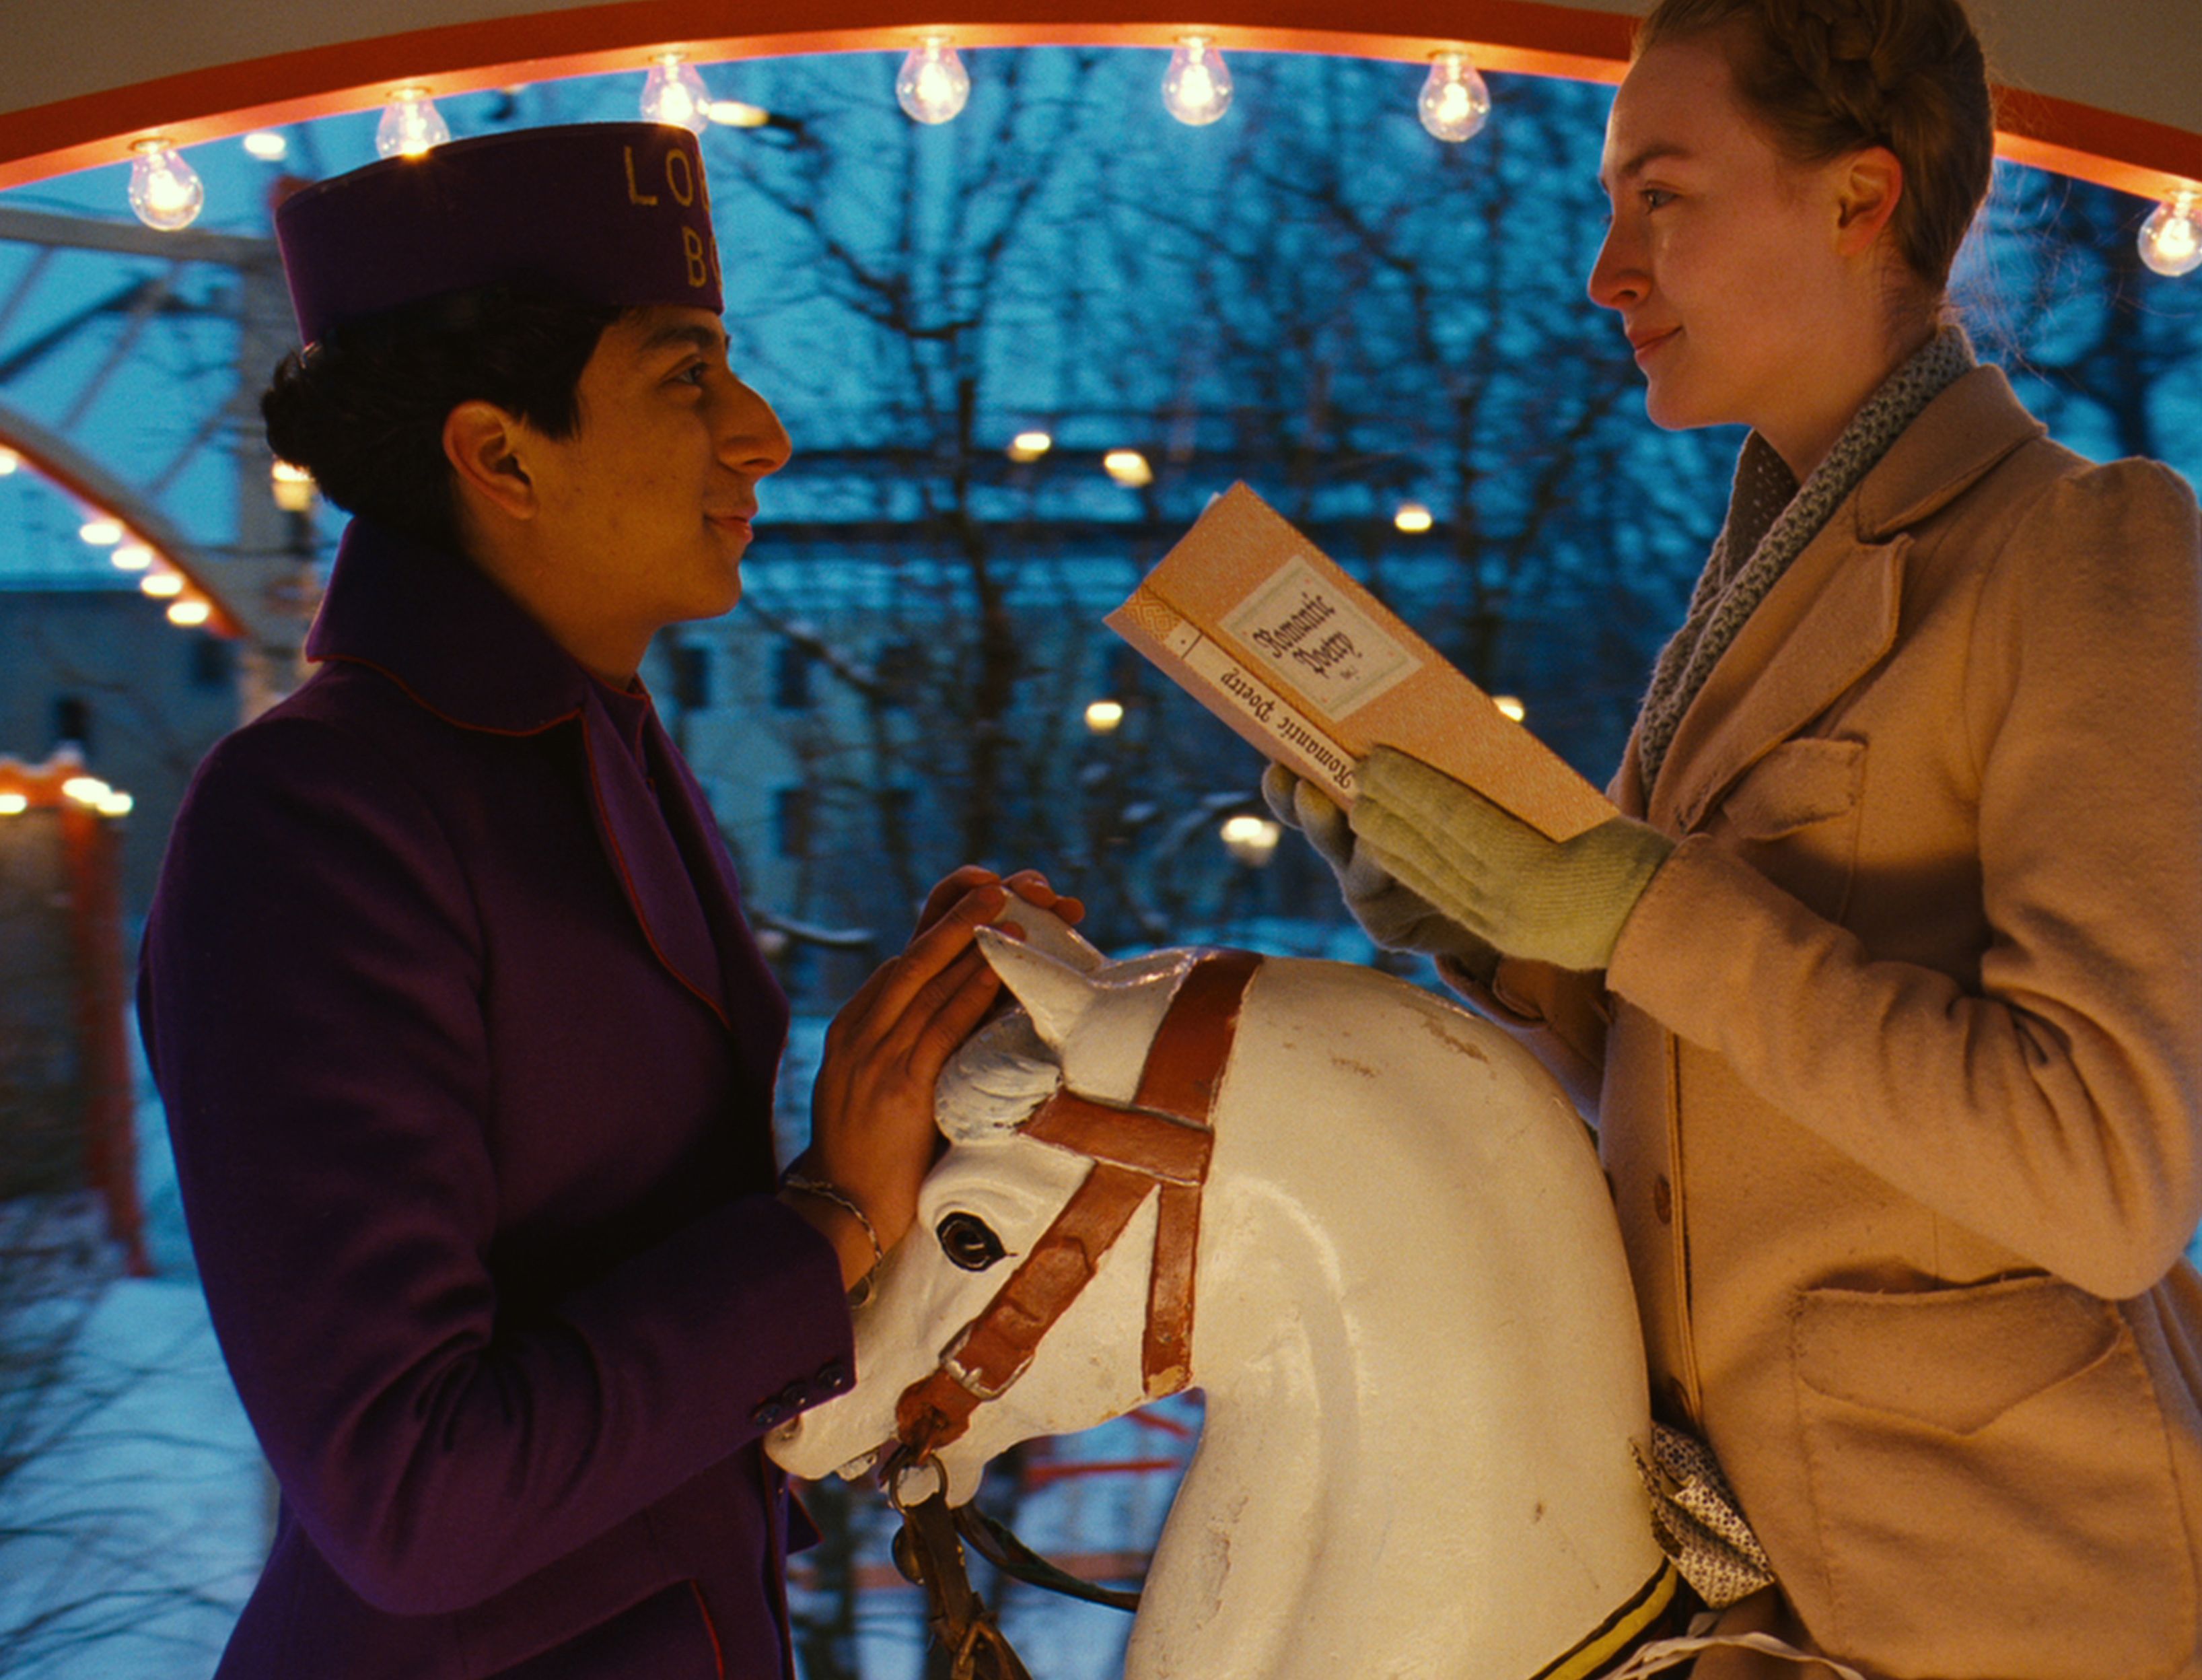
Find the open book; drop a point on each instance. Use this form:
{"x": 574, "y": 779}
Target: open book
{"x": 1253, "y": 621}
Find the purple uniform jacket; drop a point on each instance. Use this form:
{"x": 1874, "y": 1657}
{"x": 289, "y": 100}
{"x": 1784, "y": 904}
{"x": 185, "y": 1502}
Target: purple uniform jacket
{"x": 469, "y": 1059}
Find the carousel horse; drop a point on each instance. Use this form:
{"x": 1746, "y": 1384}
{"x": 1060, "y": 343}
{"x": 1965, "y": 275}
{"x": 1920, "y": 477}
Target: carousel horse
{"x": 1366, "y": 1226}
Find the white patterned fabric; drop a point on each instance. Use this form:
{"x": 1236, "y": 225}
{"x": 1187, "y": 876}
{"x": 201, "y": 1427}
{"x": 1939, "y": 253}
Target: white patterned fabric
{"x": 1698, "y": 1523}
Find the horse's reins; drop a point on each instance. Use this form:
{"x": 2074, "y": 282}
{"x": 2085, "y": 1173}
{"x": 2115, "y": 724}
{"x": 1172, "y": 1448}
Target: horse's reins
{"x": 1158, "y": 1144}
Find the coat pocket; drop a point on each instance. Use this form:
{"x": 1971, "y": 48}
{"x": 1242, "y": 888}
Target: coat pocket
{"x": 1794, "y": 818}
{"x": 1990, "y": 1488}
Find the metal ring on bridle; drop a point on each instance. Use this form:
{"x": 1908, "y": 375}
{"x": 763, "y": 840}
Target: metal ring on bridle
{"x": 898, "y": 1478}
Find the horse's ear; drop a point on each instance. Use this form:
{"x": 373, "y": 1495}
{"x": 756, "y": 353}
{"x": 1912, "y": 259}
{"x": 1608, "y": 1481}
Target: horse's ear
{"x": 1045, "y": 931}
{"x": 1054, "y": 994}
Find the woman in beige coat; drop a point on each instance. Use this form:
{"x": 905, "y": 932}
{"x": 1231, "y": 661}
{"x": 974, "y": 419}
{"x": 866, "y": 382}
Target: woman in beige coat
{"x": 1884, "y": 989}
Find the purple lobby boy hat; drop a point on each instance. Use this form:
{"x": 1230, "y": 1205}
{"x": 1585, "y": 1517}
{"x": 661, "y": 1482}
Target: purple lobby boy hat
{"x": 615, "y": 212}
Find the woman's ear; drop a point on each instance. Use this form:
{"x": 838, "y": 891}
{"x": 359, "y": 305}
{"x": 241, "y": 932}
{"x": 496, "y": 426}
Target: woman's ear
{"x": 1869, "y": 187}
{"x": 484, "y": 444}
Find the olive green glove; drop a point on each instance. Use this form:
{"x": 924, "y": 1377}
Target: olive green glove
{"x": 1392, "y": 917}
{"x": 1553, "y": 901}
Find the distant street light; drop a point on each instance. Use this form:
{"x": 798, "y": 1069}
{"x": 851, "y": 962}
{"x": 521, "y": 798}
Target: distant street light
{"x": 1128, "y": 468}
{"x": 1251, "y": 840}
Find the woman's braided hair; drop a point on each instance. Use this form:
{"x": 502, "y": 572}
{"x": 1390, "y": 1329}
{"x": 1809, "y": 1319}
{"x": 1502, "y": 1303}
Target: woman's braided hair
{"x": 1827, "y": 77}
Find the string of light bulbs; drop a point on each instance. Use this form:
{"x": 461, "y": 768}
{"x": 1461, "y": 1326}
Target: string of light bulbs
{"x": 932, "y": 87}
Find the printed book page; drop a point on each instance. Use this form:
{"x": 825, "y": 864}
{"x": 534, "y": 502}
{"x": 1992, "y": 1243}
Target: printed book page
{"x": 1259, "y": 625}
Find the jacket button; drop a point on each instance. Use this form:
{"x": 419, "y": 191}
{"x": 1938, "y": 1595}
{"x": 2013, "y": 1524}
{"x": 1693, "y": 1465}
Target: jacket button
{"x": 1662, "y": 1199}
{"x": 833, "y": 1376}
{"x": 767, "y": 1414}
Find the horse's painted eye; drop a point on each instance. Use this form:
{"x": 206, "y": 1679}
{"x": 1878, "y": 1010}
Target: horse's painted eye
{"x": 969, "y": 1242}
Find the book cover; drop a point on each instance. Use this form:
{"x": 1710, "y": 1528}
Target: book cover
{"x": 1264, "y": 630}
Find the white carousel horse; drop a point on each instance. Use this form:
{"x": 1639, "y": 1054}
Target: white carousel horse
{"x": 1414, "y": 1328}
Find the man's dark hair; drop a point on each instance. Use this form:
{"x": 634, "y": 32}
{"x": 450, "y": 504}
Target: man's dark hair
{"x": 364, "y": 410}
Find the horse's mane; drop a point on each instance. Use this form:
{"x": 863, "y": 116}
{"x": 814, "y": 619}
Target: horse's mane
{"x": 993, "y": 1084}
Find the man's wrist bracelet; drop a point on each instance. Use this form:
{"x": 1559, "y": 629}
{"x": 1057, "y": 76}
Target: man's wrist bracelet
{"x": 803, "y": 1184}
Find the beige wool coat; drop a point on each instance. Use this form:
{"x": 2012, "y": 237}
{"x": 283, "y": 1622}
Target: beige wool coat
{"x": 1898, "y": 1066}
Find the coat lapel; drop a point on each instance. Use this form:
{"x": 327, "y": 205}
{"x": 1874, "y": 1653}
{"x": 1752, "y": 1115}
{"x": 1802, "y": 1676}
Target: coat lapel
{"x": 1834, "y": 615}
{"x": 1826, "y": 623}
{"x": 755, "y": 1004}
{"x": 649, "y": 866}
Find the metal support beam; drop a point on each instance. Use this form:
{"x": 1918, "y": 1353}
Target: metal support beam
{"x": 129, "y": 239}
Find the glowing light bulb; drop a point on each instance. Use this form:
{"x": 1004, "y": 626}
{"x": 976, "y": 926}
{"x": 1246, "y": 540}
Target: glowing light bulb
{"x": 160, "y": 583}
{"x": 165, "y": 191}
{"x": 411, "y": 125}
{"x": 1128, "y": 468}
{"x": 1509, "y": 707}
{"x": 675, "y": 94}
{"x": 86, "y": 790}
{"x": 101, "y": 533}
{"x": 292, "y": 487}
{"x": 734, "y": 113}
{"x": 14, "y": 804}
{"x": 189, "y": 611}
{"x": 1030, "y": 446}
{"x": 1455, "y": 104}
{"x": 933, "y": 85}
{"x": 132, "y": 557}
{"x": 1102, "y": 716}
{"x": 1250, "y": 840}
{"x": 267, "y": 145}
{"x": 1413, "y": 517}
{"x": 114, "y": 804}
{"x": 9, "y": 462}
{"x": 2171, "y": 239}
{"x": 1198, "y": 89}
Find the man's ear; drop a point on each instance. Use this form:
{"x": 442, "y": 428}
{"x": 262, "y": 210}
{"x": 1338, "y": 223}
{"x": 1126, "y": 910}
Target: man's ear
{"x": 485, "y": 446}
{"x": 1869, "y": 187}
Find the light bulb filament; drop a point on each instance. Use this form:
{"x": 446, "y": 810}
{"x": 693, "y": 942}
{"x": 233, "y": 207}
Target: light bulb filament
{"x": 165, "y": 191}
{"x": 2171, "y": 239}
{"x": 411, "y": 125}
{"x": 1198, "y": 88}
{"x": 675, "y": 94}
{"x": 933, "y": 85}
{"x": 1455, "y": 104}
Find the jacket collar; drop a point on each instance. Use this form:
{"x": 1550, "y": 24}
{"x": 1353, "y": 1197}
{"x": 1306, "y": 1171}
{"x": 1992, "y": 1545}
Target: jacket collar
{"x": 1834, "y": 615}
{"x": 436, "y": 625}
{"x": 461, "y": 648}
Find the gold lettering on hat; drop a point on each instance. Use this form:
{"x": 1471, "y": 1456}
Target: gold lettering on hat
{"x": 699, "y": 271}
{"x": 633, "y": 196}
{"x": 682, "y": 181}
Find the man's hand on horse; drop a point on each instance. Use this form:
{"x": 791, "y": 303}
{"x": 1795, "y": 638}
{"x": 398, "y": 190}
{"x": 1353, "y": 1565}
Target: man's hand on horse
{"x": 872, "y": 1134}
{"x": 1562, "y": 902}
{"x": 1028, "y": 884}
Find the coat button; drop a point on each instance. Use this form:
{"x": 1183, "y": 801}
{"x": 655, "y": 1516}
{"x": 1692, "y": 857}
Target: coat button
{"x": 832, "y": 1377}
{"x": 768, "y": 1414}
{"x": 1662, "y": 1199}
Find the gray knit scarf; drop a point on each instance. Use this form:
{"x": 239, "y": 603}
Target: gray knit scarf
{"x": 1770, "y": 522}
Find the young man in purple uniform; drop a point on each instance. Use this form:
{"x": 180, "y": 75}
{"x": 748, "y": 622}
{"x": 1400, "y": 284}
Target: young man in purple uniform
{"x": 467, "y": 1051}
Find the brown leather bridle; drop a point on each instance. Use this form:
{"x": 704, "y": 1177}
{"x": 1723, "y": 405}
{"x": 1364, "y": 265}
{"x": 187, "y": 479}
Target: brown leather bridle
{"x": 1160, "y": 1143}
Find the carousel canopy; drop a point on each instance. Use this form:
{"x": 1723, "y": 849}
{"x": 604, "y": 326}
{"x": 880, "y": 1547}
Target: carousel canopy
{"x": 2111, "y": 93}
